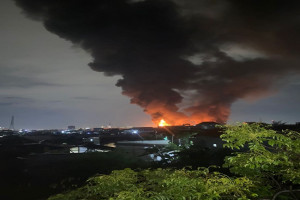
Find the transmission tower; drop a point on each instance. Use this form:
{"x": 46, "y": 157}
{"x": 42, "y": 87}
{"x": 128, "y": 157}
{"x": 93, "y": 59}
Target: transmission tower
{"x": 12, "y": 123}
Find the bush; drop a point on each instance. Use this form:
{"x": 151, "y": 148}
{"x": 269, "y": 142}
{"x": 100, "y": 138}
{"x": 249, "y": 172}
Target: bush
{"x": 162, "y": 184}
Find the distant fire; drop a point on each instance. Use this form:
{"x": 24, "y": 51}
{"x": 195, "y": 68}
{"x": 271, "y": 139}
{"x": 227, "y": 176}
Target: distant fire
{"x": 163, "y": 123}
{"x": 171, "y": 119}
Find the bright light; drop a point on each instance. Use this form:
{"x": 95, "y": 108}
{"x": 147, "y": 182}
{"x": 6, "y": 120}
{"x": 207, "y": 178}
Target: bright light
{"x": 113, "y": 145}
{"x": 135, "y": 131}
{"x": 214, "y": 145}
{"x": 163, "y": 123}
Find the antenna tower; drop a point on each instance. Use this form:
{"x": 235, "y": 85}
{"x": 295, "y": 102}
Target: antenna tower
{"x": 12, "y": 123}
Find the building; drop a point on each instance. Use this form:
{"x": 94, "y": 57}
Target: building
{"x": 208, "y": 125}
{"x": 71, "y": 127}
{"x": 139, "y": 148}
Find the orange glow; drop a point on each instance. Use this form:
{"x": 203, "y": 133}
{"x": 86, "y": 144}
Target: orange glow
{"x": 163, "y": 123}
{"x": 165, "y": 114}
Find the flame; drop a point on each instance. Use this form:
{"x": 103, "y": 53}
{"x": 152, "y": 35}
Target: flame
{"x": 163, "y": 123}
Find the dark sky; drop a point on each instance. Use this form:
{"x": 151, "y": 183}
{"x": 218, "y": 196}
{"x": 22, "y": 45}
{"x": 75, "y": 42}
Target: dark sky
{"x": 222, "y": 55}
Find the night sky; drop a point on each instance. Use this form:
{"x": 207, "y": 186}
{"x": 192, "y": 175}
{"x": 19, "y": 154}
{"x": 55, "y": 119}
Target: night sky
{"x": 173, "y": 60}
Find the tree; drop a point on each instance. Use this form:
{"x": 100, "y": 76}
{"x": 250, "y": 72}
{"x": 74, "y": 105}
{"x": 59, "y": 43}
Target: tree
{"x": 162, "y": 184}
{"x": 264, "y": 156}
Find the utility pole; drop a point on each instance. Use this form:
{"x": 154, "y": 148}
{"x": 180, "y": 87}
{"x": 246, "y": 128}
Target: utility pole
{"x": 12, "y": 123}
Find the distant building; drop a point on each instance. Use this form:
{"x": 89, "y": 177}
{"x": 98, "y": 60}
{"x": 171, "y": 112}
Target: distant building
{"x": 207, "y": 125}
{"x": 139, "y": 148}
{"x": 208, "y": 139}
{"x": 6, "y": 132}
{"x": 138, "y": 130}
{"x": 78, "y": 149}
{"x": 98, "y": 130}
{"x": 71, "y": 127}
{"x": 93, "y": 140}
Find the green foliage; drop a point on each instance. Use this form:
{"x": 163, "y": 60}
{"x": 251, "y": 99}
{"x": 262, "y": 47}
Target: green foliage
{"x": 268, "y": 157}
{"x": 268, "y": 153}
{"x": 162, "y": 184}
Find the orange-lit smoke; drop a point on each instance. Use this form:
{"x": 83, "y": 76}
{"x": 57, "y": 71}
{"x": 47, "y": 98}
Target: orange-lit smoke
{"x": 158, "y": 107}
{"x": 163, "y": 116}
{"x": 174, "y": 120}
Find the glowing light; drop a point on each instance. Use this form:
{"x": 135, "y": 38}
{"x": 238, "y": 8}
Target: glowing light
{"x": 163, "y": 123}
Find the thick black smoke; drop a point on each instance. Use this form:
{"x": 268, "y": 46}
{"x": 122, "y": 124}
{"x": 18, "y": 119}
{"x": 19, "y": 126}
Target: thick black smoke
{"x": 200, "y": 54}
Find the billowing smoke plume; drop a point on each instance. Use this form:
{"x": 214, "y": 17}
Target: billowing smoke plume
{"x": 185, "y": 61}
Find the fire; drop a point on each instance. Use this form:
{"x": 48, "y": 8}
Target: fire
{"x": 163, "y": 123}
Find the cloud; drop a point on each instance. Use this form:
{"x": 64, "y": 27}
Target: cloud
{"x": 9, "y": 77}
{"x": 87, "y": 98}
{"x": 21, "y": 82}
{"x": 14, "y": 100}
